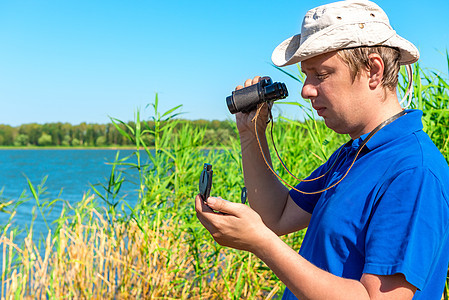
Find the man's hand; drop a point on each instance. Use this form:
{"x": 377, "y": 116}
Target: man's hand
{"x": 232, "y": 224}
{"x": 244, "y": 120}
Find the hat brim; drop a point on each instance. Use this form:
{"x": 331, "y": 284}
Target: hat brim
{"x": 284, "y": 54}
{"x": 409, "y": 53}
{"x": 291, "y": 51}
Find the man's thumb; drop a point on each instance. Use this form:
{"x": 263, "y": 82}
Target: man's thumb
{"x": 219, "y": 204}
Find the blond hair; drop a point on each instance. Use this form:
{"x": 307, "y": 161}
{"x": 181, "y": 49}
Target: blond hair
{"x": 358, "y": 58}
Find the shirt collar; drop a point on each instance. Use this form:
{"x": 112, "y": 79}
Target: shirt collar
{"x": 408, "y": 123}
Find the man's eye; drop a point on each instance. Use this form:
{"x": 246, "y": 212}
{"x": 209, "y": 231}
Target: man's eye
{"x": 321, "y": 76}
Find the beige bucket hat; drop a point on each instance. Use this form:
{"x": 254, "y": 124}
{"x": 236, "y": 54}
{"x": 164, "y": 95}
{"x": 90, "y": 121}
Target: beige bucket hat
{"x": 340, "y": 25}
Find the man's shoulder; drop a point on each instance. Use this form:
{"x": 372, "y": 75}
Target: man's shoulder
{"x": 418, "y": 154}
{"x": 421, "y": 152}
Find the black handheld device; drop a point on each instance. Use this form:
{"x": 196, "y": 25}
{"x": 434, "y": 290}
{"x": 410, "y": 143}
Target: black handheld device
{"x": 206, "y": 181}
{"x": 248, "y": 98}
{"x": 244, "y": 195}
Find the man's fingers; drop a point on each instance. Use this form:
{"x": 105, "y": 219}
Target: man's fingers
{"x": 223, "y": 206}
{"x": 256, "y": 80}
{"x": 248, "y": 82}
{"x": 201, "y": 210}
{"x": 200, "y": 206}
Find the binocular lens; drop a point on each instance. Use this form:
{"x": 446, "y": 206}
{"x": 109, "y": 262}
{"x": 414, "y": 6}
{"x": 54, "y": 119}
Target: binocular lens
{"x": 275, "y": 91}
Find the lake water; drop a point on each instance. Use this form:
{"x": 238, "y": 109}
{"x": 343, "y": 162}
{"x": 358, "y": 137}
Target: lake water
{"x": 70, "y": 173}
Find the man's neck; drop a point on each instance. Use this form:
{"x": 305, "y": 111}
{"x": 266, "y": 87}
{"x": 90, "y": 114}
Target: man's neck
{"x": 378, "y": 113}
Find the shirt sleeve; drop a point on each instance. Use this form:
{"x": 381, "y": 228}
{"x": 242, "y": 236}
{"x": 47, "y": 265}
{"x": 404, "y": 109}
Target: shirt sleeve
{"x": 407, "y": 227}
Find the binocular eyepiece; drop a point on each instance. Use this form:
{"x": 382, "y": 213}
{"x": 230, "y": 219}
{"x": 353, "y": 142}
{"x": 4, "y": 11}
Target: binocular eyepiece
{"x": 247, "y": 99}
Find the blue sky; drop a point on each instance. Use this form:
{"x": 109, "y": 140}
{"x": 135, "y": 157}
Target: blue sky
{"x": 86, "y": 61}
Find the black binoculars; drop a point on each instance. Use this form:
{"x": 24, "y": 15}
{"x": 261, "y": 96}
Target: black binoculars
{"x": 247, "y": 99}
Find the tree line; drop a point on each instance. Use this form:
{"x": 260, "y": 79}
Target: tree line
{"x": 101, "y": 135}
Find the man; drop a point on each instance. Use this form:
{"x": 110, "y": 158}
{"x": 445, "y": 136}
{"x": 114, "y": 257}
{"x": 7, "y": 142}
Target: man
{"x": 378, "y": 211}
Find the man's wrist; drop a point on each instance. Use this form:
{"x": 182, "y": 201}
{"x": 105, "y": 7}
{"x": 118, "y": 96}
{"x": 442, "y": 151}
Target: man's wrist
{"x": 267, "y": 237}
{"x": 250, "y": 137}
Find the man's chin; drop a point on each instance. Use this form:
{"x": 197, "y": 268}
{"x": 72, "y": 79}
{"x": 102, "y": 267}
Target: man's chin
{"x": 338, "y": 127}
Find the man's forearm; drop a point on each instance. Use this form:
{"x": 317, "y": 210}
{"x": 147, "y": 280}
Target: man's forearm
{"x": 304, "y": 279}
{"x": 266, "y": 194}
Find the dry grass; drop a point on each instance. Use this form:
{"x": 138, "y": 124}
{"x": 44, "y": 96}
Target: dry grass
{"x": 127, "y": 261}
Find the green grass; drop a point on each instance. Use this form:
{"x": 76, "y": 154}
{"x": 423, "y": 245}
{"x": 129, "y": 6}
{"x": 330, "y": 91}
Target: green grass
{"x": 102, "y": 248}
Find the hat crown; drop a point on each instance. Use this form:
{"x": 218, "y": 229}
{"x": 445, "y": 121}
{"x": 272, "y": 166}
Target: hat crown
{"x": 342, "y": 25}
{"x": 341, "y": 13}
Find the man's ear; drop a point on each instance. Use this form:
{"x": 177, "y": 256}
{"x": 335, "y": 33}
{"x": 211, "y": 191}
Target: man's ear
{"x": 376, "y": 71}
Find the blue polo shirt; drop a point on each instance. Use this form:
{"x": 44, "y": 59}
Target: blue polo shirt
{"x": 389, "y": 215}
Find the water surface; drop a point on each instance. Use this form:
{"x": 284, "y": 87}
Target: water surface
{"x": 70, "y": 172}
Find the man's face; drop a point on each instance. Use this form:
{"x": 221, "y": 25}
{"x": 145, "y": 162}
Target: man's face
{"x": 341, "y": 102}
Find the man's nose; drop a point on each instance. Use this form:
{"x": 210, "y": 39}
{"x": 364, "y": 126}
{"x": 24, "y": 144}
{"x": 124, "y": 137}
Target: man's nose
{"x": 308, "y": 91}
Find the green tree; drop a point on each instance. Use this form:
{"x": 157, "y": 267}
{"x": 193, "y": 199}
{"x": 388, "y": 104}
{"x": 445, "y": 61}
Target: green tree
{"x": 7, "y": 135}
{"x": 21, "y": 140}
{"x": 101, "y": 141}
{"x": 223, "y": 136}
{"x": 76, "y": 142}
{"x": 148, "y": 139}
{"x": 80, "y": 133}
{"x": 33, "y": 131}
{"x": 66, "y": 140}
{"x": 44, "y": 140}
